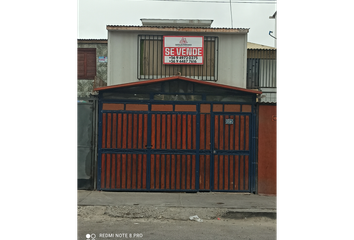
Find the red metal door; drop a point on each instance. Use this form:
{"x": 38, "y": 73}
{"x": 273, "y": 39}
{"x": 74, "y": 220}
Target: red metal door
{"x": 231, "y": 151}
{"x": 173, "y": 146}
{"x": 124, "y": 162}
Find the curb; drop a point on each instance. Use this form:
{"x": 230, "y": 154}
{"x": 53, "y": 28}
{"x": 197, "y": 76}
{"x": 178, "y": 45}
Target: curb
{"x": 250, "y": 214}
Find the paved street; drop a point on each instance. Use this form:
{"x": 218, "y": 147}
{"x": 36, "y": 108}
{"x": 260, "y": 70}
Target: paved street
{"x": 115, "y": 215}
{"x": 226, "y": 229}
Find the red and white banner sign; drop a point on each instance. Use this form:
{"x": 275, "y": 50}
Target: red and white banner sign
{"x": 183, "y": 50}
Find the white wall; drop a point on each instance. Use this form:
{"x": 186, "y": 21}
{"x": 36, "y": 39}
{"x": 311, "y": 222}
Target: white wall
{"x": 269, "y": 95}
{"x": 123, "y": 57}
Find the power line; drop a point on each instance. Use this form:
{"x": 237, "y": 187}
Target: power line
{"x": 232, "y": 23}
{"x": 204, "y": 1}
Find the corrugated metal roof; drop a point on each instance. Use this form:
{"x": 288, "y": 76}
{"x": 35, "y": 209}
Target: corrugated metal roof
{"x": 176, "y": 22}
{"x": 138, "y": 26}
{"x": 178, "y": 78}
{"x": 251, "y": 45}
{"x": 90, "y": 39}
{"x": 176, "y": 29}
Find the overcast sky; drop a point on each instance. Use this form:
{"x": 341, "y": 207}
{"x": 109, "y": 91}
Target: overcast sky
{"x": 94, "y": 15}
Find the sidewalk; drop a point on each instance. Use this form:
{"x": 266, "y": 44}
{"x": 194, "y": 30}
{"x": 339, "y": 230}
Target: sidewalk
{"x": 238, "y": 204}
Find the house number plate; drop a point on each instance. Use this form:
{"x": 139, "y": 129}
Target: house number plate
{"x": 229, "y": 121}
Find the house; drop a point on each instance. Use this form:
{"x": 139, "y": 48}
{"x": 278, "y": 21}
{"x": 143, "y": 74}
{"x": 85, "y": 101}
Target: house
{"x": 92, "y": 73}
{"x": 179, "y": 112}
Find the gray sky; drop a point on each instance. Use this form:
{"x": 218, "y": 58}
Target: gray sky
{"x": 94, "y": 15}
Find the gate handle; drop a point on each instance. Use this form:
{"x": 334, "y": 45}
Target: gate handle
{"x": 148, "y": 147}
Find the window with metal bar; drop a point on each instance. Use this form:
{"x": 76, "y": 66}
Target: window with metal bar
{"x": 150, "y": 64}
{"x": 261, "y": 68}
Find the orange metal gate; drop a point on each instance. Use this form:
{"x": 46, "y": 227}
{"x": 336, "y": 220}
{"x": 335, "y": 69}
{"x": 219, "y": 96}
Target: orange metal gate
{"x": 175, "y": 147}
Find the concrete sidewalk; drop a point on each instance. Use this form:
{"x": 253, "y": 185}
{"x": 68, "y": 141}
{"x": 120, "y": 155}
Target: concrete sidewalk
{"x": 235, "y": 203}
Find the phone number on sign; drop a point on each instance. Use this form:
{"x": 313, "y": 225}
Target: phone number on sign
{"x": 182, "y": 61}
{"x": 187, "y": 59}
{"x": 183, "y": 58}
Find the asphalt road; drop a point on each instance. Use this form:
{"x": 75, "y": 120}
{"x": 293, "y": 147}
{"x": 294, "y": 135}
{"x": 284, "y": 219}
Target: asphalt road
{"x": 143, "y": 228}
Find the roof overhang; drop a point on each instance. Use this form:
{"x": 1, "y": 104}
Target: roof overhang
{"x": 177, "y": 29}
{"x": 92, "y": 41}
{"x": 178, "y": 78}
{"x": 176, "y": 22}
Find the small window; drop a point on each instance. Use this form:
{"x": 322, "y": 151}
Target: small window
{"x": 150, "y": 64}
{"x": 86, "y": 63}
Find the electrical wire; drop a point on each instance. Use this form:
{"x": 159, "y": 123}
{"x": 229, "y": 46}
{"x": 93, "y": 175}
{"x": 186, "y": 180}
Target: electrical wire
{"x": 232, "y": 22}
{"x": 213, "y": 1}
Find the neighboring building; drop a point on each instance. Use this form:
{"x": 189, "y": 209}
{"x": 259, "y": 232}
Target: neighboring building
{"x": 92, "y": 73}
{"x": 91, "y": 65}
{"x": 261, "y": 71}
{"x": 276, "y": 17}
{"x": 261, "y": 75}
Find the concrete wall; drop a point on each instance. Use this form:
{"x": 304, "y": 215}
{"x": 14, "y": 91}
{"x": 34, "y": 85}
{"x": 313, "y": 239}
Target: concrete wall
{"x": 85, "y": 86}
{"x": 123, "y": 56}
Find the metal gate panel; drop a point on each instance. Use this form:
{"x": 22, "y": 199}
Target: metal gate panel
{"x": 124, "y": 141}
{"x": 204, "y": 172}
{"x": 231, "y": 151}
{"x": 176, "y": 146}
{"x": 173, "y": 131}
{"x": 173, "y": 143}
{"x": 173, "y": 172}
{"x": 124, "y": 130}
{"x": 231, "y": 172}
{"x": 234, "y": 135}
{"x": 205, "y": 132}
{"x": 124, "y": 171}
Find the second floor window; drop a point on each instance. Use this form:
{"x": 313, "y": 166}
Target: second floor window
{"x": 261, "y": 68}
{"x": 150, "y": 64}
{"x": 86, "y": 63}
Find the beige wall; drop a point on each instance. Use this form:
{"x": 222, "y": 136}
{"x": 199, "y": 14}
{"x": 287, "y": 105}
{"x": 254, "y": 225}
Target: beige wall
{"x": 123, "y": 56}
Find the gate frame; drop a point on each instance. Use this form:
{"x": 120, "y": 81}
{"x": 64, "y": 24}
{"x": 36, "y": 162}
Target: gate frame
{"x": 148, "y": 152}
{"x": 252, "y": 139}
